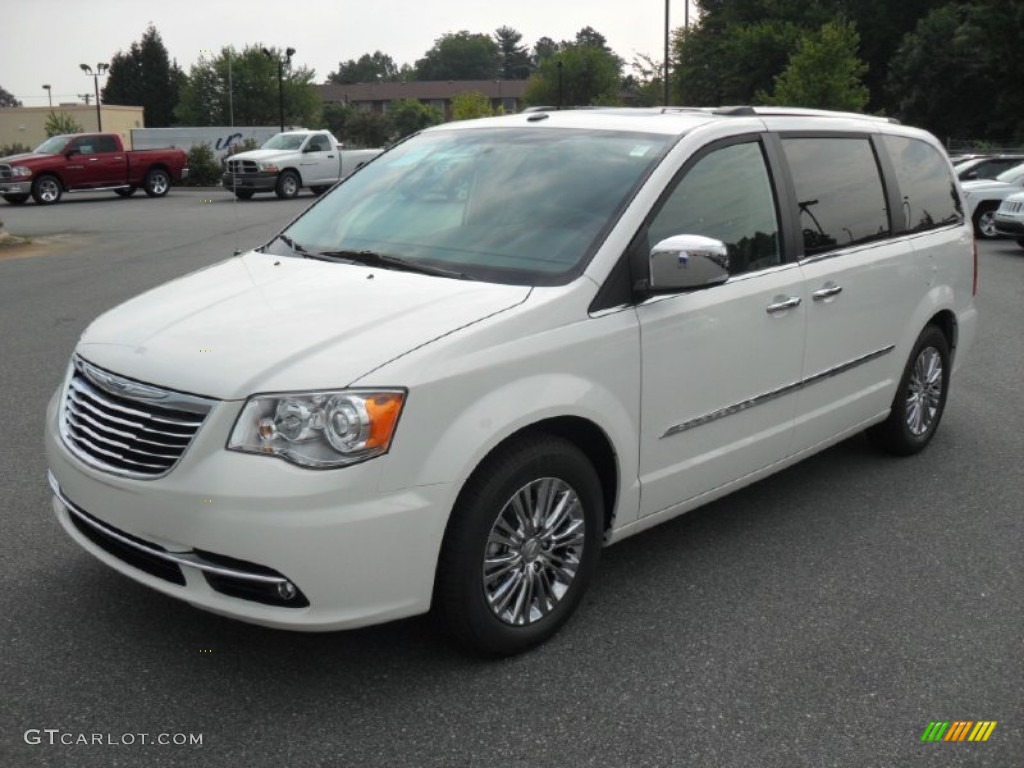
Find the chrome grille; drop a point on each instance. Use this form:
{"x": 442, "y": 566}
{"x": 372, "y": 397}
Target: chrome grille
{"x": 1008, "y": 207}
{"x": 242, "y": 166}
{"x": 126, "y": 427}
{"x": 5, "y": 172}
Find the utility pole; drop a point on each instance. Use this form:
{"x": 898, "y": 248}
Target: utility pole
{"x": 289, "y": 52}
{"x": 666, "y": 50}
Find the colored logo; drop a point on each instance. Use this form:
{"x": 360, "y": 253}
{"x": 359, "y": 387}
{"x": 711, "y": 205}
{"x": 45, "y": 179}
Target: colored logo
{"x": 959, "y": 730}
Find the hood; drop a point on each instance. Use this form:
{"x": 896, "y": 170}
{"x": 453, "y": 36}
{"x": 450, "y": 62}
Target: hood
{"x": 986, "y": 185}
{"x": 262, "y": 323}
{"x": 22, "y": 156}
{"x": 264, "y": 155}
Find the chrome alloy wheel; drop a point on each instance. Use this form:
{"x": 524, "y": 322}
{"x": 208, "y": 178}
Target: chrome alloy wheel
{"x": 290, "y": 185}
{"x": 987, "y": 223}
{"x": 924, "y": 391}
{"x": 49, "y": 190}
{"x": 159, "y": 183}
{"x": 533, "y": 551}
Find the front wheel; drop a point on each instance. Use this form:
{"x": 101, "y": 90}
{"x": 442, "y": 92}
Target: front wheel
{"x": 319, "y": 189}
{"x": 157, "y": 182}
{"x": 521, "y": 545}
{"x": 921, "y": 398}
{"x": 46, "y": 190}
{"x": 985, "y": 222}
{"x": 16, "y": 199}
{"x": 288, "y": 185}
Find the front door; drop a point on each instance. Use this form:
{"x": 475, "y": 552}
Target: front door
{"x": 319, "y": 163}
{"x": 721, "y": 365}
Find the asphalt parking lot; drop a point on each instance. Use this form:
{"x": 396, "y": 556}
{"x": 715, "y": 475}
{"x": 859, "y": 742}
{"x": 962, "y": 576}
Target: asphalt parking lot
{"x": 822, "y": 617}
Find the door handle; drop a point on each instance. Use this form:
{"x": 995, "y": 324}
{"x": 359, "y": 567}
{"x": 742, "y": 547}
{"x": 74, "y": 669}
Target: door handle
{"x": 782, "y": 303}
{"x": 93, "y": 159}
{"x": 827, "y": 292}
{"x": 331, "y": 157}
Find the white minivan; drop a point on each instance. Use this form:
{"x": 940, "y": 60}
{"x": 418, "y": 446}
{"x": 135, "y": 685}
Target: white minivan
{"x": 506, "y": 344}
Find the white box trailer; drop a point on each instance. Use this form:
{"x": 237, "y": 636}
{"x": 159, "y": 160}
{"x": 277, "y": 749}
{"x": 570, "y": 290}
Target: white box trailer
{"x": 220, "y": 138}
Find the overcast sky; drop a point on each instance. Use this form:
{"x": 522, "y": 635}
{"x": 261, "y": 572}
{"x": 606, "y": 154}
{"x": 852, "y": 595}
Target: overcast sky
{"x": 45, "y": 41}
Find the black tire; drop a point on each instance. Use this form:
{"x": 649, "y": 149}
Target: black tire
{"x": 920, "y": 398}
{"x": 523, "y": 470}
{"x": 16, "y": 199}
{"x": 318, "y": 190}
{"x": 157, "y": 182}
{"x": 984, "y": 221}
{"x": 1020, "y": 242}
{"x": 244, "y": 194}
{"x": 125, "y": 191}
{"x": 288, "y": 185}
{"x": 47, "y": 189}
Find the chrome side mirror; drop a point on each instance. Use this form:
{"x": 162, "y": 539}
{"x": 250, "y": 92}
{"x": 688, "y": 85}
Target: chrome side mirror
{"x": 684, "y": 262}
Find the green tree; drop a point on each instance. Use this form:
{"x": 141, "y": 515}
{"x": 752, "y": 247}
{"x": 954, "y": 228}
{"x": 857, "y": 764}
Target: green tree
{"x": 334, "y": 116}
{"x": 460, "y": 56}
{"x": 203, "y": 168}
{"x": 145, "y": 77}
{"x": 7, "y": 99}
{"x": 824, "y": 73}
{"x": 469, "y": 105}
{"x": 59, "y": 123}
{"x": 591, "y": 74}
{"x": 544, "y": 48}
{"x": 410, "y": 115}
{"x": 254, "y": 77}
{"x": 368, "y": 129}
{"x": 947, "y": 75}
{"x": 369, "y": 68}
{"x": 515, "y": 58}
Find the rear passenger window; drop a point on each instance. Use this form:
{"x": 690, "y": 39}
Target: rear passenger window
{"x": 726, "y": 195}
{"x": 927, "y": 189}
{"x": 839, "y": 192}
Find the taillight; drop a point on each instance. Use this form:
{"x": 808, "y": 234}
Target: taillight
{"x": 974, "y": 288}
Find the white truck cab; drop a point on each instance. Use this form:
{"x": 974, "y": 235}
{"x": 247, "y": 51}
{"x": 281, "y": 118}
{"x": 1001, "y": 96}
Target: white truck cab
{"x": 290, "y": 161}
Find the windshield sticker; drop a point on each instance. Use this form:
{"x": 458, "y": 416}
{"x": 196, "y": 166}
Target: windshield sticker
{"x": 639, "y": 150}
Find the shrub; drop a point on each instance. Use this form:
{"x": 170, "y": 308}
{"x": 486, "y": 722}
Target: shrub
{"x": 13, "y": 149}
{"x": 58, "y": 124}
{"x": 203, "y": 168}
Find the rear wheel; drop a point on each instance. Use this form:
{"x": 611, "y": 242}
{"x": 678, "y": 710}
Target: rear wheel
{"x": 16, "y": 199}
{"x": 157, "y": 182}
{"x": 521, "y": 545}
{"x": 921, "y": 397}
{"x": 46, "y": 189}
{"x": 288, "y": 185}
{"x": 985, "y": 221}
{"x": 244, "y": 194}
{"x": 319, "y": 189}
{"x": 125, "y": 191}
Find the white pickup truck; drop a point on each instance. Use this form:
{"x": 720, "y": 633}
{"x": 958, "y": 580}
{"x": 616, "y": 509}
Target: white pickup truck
{"x": 290, "y": 161}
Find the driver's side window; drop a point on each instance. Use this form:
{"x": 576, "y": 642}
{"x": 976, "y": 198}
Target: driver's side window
{"x": 726, "y": 195}
{"x": 318, "y": 144}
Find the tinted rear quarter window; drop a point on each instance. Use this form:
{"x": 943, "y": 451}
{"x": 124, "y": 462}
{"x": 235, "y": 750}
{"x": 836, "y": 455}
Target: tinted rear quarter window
{"x": 839, "y": 192}
{"x": 928, "y": 193}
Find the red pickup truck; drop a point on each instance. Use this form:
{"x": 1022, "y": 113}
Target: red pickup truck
{"x": 88, "y": 162}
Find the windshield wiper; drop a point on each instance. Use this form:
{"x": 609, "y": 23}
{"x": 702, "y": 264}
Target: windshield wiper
{"x": 387, "y": 261}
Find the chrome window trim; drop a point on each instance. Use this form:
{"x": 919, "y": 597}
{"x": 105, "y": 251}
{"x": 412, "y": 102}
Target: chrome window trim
{"x": 184, "y": 559}
{"x": 744, "y": 405}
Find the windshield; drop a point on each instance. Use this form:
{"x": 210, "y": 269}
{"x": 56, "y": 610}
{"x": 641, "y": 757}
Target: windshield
{"x": 1013, "y": 175}
{"x": 512, "y": 205}
{"x": 284, "y": 141}
{"x": 52, "y": 146}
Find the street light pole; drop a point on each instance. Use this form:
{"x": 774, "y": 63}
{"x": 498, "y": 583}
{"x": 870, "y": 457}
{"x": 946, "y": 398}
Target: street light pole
{"x": 289, "y": 52}
{"x": 561, "y": 90}
{"x": 666, "y": 51}
{"x": 49, "y": 94}
{"x": 101, "y": 70}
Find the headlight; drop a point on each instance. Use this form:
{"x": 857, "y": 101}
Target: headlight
{"x": 271, "y": 167}
{"x": 319, "y": 429}
{"x": 21, "y": 170}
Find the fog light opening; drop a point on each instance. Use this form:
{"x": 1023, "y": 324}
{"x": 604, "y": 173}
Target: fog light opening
{"x": 286, "y": 590}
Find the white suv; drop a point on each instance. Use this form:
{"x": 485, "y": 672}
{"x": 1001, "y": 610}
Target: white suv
{"x": 506, "y": 344}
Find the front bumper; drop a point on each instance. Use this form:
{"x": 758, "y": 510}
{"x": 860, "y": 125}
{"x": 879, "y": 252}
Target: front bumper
{"x": 1011, "y": 227}
{"x": 15, "y": 187}
{"x": 256, "y": 182}
{"x": 233, "y": 527}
